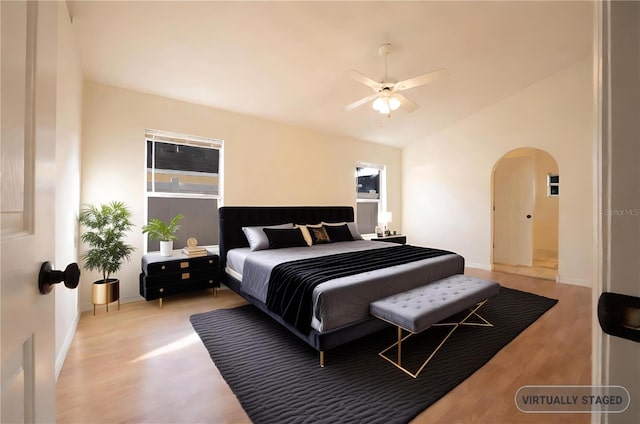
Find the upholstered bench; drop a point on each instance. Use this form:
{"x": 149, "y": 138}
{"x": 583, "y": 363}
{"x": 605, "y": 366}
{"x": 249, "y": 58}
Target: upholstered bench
{"x": 420, "y": 308}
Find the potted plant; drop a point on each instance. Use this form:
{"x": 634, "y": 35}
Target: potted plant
{"x": 106, "y": 226}
{"x": 157, "y": 229}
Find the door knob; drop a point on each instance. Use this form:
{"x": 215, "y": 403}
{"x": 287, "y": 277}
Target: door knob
{"x": 528, "y": 216}
{"x": 48, "y": 277}
{"x": 619, "y": 315}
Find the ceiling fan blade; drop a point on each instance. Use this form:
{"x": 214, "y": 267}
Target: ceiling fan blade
{"x": 406, "y": 104}
{"x": 422, "y": 79}
{"x": 360, "y": 77}
{"x": 361, "y": 102}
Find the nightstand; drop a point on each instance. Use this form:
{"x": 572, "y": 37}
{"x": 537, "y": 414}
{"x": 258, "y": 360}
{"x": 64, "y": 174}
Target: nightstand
{"x": 394, "y": 238}
{"x": 164, "y": 276}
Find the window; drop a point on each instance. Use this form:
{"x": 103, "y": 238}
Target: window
{"x": 371, "y": 195}
{"x": 553, "y": 185}
{"x": 183, "y": 177}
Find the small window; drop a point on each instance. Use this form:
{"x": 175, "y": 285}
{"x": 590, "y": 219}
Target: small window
{"x": 182, "y": 168}
{"x": 370, "y": 196}
{"x": 553, "y": 185}
{"x": 368, "y": 182}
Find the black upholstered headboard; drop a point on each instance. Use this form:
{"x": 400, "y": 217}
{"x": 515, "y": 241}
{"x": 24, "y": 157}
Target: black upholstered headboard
{"x": 233, "y": 218}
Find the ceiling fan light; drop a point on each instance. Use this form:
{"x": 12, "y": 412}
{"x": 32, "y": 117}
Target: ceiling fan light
{"x": 384, "y": 109}
{"x": 378, "y": 104}
{"x": 394, "y": 103}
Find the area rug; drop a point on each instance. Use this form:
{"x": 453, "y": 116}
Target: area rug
{"x": 277, "y": 377}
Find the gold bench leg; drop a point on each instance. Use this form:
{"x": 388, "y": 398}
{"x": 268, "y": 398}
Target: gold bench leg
{"x": 398, "y": 361}
{"x": 400, "y": 346}
{"x": 473, "y": 312}
{"x": 322, "y": 359}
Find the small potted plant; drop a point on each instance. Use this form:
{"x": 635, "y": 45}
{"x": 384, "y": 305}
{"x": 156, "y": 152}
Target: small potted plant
{"x": 157, "y": 229}
{"x": 106, "y": 226}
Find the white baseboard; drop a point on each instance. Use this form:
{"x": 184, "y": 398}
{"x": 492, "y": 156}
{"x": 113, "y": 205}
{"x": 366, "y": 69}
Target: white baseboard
{"x": 485, "y": 267}
{"x": 131, "y": 299}
{"x": 573, "y": 281}
{"x": 89, "y": 306}
{"x": 66, "y": 344}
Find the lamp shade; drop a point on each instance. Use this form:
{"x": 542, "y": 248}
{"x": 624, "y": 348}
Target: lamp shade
{"x": 384, "y": 217}
{"x": 381, "y": 104}
{"x": 378, "y": 103}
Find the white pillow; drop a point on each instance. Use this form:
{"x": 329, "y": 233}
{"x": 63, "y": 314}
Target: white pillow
{"x": 305, "y": 232}
{"x": 353, "y": 227}
{"x": 257, "y": 238}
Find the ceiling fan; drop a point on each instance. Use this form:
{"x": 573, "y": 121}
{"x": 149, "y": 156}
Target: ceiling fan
{"x": 386, "y": 96}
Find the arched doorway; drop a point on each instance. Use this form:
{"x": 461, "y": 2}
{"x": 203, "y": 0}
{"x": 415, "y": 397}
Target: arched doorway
{"x": 525, "y": 189}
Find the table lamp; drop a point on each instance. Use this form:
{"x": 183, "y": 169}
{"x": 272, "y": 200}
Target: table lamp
{"x": 385, "y": 218}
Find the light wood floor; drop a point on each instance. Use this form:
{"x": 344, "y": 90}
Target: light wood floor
{"x": 528, "y": 271}
{"x": 143, "y": 364}
{"x": 545, "y": 265}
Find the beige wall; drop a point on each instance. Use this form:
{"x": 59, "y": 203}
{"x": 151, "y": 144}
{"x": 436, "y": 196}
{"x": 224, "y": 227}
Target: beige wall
{"x": 68, "y": 131}
{"x": 265, "y": 163}
{"x": 447, "y": 176}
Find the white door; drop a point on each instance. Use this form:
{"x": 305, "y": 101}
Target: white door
{"x": 514, "y": 190}
{"x": 617, "y": 359}
{"x": 28, "y": 107}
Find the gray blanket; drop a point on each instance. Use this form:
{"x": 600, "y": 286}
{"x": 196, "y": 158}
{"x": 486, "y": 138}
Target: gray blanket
{"x": 345, "y": 300}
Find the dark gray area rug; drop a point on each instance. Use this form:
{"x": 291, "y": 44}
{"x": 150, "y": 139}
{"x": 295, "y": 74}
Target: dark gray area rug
{"x": 277, "y": 377}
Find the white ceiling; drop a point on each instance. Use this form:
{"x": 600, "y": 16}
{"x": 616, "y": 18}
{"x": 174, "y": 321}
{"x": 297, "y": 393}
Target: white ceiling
{"x": 285, "y": 61}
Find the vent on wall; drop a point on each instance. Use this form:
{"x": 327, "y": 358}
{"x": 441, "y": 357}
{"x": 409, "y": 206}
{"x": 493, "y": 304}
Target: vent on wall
{"x": 553, "y": 185}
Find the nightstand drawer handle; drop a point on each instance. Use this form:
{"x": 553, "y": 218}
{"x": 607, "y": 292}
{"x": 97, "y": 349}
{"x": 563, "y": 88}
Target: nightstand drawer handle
{"x": 161, "y": 290}
{"x": 184, "y": 264}
{"x": 185, "y": 276}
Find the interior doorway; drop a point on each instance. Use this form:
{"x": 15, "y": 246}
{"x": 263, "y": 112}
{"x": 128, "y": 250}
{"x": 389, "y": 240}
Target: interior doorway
{"x": 526, "y": 194}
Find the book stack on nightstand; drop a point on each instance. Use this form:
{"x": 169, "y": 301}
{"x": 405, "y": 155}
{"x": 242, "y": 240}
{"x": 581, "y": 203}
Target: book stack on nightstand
{"x": 164, "y": 276}
{"x": 192, "y": 249}
{"x": 194, "y": 252}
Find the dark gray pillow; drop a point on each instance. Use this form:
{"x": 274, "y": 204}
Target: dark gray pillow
{"x": 286, "y": 237}
{"x": 257, "y": 238}
{"x": 353, "y": 227}
{"x": 338, "y": 232}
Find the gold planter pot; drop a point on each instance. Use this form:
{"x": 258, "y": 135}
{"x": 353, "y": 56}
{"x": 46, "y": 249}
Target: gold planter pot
{"x": 104, "y": 293}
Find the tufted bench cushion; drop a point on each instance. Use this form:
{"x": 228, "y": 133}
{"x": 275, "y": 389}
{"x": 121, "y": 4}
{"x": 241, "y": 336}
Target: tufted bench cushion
{"x": 417, "y": 309}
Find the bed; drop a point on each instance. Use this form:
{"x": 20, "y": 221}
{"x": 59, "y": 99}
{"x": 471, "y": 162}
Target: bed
{"x": 340, "y": 306}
